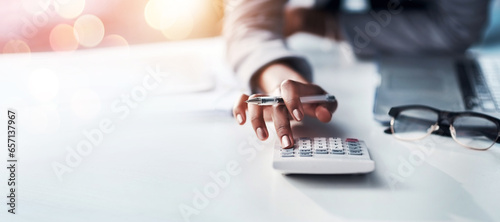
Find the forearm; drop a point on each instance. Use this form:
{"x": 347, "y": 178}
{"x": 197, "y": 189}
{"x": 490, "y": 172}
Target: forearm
{"x": 254, "y": 34}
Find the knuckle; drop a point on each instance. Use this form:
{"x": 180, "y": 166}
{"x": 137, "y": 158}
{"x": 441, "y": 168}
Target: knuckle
{"x": 242, "y": 99}
{"x": 240, "y": 102}
{"x": 278, "y": 109}
{"x": 256, "y": 120}
{"x": 283, "y": 129}
{"x": 291, "y": 103}
{"x": 287, "y": 84}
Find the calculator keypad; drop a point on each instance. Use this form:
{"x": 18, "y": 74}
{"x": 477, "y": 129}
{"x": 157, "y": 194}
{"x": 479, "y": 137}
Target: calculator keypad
{"x": 318, "y": 146}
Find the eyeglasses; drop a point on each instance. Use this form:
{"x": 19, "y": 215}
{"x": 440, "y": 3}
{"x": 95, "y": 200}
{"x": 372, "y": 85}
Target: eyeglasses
{"x": 472, "y": 130}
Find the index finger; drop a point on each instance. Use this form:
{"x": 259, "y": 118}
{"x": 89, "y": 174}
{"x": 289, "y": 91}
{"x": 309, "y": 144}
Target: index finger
{"x": 290, "y": 92}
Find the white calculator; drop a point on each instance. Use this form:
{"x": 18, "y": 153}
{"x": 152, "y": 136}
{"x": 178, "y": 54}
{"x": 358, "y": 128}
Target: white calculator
{"x": 323, "y": 155}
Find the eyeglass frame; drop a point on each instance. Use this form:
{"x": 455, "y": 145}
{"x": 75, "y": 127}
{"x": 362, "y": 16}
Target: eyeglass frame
{"x": 437, "y": 128}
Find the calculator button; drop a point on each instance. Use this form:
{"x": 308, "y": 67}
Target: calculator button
{"x": 287, "y": 152}
{"x": 337, "y": 152}
{"x": 358, "y": 153}
{"x": 323, "y": 155}
{"x": 287, "y": 155}
{"x": 337, "y": 147}
{"x": 319, "y": 144}
{"x": 305, "y": 148}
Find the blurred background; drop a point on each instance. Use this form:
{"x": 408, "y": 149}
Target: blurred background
{"x": 68, "y": 25}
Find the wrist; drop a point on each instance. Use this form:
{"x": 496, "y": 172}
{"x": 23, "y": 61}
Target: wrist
{"x": 271, "y": 77}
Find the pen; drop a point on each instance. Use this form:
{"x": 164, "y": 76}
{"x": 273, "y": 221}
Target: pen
{"x": 266, "y": 101}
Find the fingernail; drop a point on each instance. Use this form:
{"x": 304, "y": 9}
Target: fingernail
{"x": 285, "y": 141}
{"x": 297, "y": 114}
{"x": 261, "y": 134}
{"x": 239, "y": 118}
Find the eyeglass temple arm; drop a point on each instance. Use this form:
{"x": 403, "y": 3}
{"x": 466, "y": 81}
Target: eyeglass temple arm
{"x": 440, "y": 131}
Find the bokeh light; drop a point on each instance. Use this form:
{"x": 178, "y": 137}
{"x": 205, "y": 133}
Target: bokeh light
{"x": 174, "y": 18}
{"x": 89, "y": 30}
{"x": 85, "y": 103}
{"x": 70, "y": 9}
{"x": 46, "y": 25}
{"x": 181, "y": 29}
{"x": 43, "y": 84}
{"x": 62, "y": 38}
{"x": 121, "y": 45}
{"x": 16, "y": 46}
{"x": 113, "y": 41}
{"x": 154, "y": 11}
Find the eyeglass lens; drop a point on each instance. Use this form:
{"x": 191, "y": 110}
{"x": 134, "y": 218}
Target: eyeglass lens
{"x": 414, "y": 124}
{"x": 470, "y": 131}
{"x": 475, "y": 132}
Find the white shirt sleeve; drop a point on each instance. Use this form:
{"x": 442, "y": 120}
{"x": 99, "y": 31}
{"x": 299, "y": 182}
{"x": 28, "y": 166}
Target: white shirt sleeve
{"x": 254, "y": 33}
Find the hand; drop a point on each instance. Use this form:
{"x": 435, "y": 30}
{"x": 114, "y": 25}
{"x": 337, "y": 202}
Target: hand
{"x": 291, "y": 91}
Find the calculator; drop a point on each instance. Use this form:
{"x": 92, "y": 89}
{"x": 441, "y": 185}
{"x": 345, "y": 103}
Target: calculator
{"x": 323, "y": 155}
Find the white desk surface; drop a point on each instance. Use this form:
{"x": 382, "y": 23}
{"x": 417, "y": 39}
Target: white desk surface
{"x": 163, "y": 152}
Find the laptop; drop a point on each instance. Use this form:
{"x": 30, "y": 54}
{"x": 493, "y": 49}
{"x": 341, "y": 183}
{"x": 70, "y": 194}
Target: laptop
{"x": 449, "y": 83}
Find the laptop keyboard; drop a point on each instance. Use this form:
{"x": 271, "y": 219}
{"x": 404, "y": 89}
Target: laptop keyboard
{"x": 488, "y": 84}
